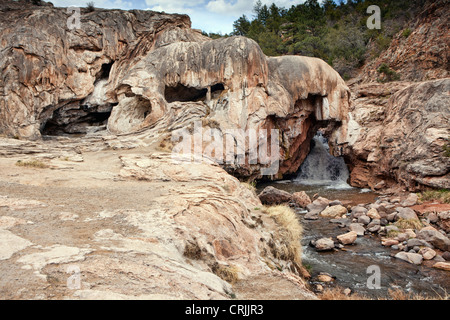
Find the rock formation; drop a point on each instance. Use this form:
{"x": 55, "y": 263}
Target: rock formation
{"x": 398, "y": 131}
{"x": 142, "y": 71}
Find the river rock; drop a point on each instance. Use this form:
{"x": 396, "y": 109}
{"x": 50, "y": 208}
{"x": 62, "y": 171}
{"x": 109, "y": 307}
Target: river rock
{"x": 405, "y": 213}
{"x": 434, "y": 237}
{"x": 324, "y": 244}
{"x": 363, "y": 219}
{"x": 358, "y": 228}
{"x": 444, "y": 220}
{"x": 433, "y": 217}
{"x": 389, "y": 242}
{"x": 391, "y": 217}
{"x": 318, "y": 205}
{"x": 358, "y": 211}
{"x": 442, "y": 265}
{"x": 402, "y": 237}
{"x": 271, "y": 195}
{"x": 411, "y": 200}
{"x": 427, "y": 253}
{"x": 413, "y": 258}
{"x": 325, "y": 277}
{"x": 374, "y": 228}
{"x": 301, "y": 199}
{"x": 348, "y": 238}
{"x": 334, "y": 211}
{"x": 373, "y": 214}
{"x": 335, "y": 203}
{"x": 446, "y": 255}
{"x": 417, "y": 242}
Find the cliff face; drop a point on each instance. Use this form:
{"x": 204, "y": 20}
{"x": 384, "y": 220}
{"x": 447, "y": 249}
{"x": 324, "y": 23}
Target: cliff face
{"x": 141, "y": 71}
{"x": 398, "y": 130}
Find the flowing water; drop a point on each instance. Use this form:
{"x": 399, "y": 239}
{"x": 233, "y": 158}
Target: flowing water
{"x": 324, "y": 175}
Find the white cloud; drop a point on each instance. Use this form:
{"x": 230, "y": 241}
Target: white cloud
{"x": 175, "y": 6}
{"x": 106, "y": 4}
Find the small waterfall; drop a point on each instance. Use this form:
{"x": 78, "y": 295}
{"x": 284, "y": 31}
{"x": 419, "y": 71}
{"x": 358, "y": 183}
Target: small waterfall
{"x": 321, "y": 168}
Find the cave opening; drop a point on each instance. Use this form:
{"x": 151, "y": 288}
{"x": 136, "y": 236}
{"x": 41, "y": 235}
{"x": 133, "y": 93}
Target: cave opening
{"x": 105, "y": 71}
{"x": 76, "y": 119}
{"x": 182, "y": 93}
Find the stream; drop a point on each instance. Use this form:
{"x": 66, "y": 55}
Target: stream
{"x": 326, "y": 176}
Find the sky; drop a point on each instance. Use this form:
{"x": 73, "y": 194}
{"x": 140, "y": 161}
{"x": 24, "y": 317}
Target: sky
{"x": 208, "y": 15}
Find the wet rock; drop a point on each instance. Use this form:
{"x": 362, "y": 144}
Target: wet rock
{"x": 434, "y": 237}
{"x": 324, "y": 244}
{"x": 318, "y": 205}
{"x": 301, "y": 199}
{"x": 358, "y": 228}
{"x": 271, "y": 195}
{"x": 311, "y": 216}
{"x": 374, "y": 228}
{"x": 334, "y": 211}
{"x": 348, "y": 238}
{"x": 413, "y": 258}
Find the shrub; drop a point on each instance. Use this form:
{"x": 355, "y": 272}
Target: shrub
{"x": 442, "y": 195}
{"x": 389, "y": 74}
{"x": 90, "y": 6}
{"x": 406, "y": 32}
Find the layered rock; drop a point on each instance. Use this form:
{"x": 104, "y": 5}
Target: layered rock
{"x": 142, "y": 71}
{"x": 397, "y": 135}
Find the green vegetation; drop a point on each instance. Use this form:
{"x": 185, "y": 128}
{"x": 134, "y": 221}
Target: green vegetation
{"x": 408, "y": 224}
{"x": 336, "y": 33}
{"x": 388, "y": 74}
{"x": 442, "y": 195}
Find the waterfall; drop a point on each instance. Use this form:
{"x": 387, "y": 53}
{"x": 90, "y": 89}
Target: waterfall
{"x": 321, "y": 168}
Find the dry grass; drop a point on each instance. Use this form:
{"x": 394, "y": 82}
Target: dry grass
{"x": 337, "y": 293}
{"x": 228, "y": 273}
{"x": 289, "y": 233}
{"x": 442, "y": 195}
{"x": 32, "y": 164}
{"x": 398, "y": 294}
{"x": 409, "y": 224}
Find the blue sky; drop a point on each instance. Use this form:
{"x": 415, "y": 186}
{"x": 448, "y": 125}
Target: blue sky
{"x": 207, "y": 15}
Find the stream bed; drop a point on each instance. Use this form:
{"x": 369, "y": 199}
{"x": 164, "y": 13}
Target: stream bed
{"x": 350, "y": 266}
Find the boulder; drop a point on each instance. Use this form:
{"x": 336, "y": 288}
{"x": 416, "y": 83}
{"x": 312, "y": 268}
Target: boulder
{"x": 271, "y": 196}
{"x": 348, "y": 238}
{"x": 411, "y": 200}
{"x": 389, "y": 242}
{"x": 410, "y": 257}
{"x": 358, "y": 228}
{"x": 301, "y": 199}
{"x": 324, "y": 244}
{"x": 334, "y": 211}
{"x": 411, "y": 243}
{"x": 405, "y": 213}
{"x": 434, "y": 237}
{"x": 325, "y": 277}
